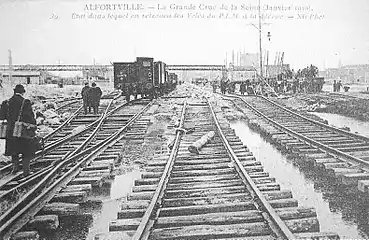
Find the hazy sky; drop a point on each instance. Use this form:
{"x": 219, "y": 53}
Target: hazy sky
{"x": 26, "y": 27}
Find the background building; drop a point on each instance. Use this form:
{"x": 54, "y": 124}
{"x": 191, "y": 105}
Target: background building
{"x": 22, "y": 77}
{"x": 348, "y": 73}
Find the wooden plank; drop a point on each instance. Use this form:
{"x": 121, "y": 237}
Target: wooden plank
{"x": 44, "y": 222}
{"x": 283, "y": 203}
{"x": 28, "y": 235}
{"x": 61, "y": 209}
{"x": 209, "y": 208}
{"x": 275, "y": 195}
{"x": 303, "y": 225}
{"x": 353, "y": 178}
{"x": 209, "y": 231}
{"x": 210, "y": 219}
{"x": 224, "y": 199}
{"x": 70, "y": 197}
{"x": 317, "y": 236}
{"x": 295, "y": 213}
{"x": 204, "y": 192}
{"x": 217, "y": 184}
{"x": 363, "y": 186}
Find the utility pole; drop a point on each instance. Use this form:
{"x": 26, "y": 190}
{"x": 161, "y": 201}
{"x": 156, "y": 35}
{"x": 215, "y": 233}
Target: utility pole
{"x": 10, "y": 67}
{"x": 261, "y": 53}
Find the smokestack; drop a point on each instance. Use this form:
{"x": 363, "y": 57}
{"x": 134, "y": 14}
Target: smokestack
{"x": 10, "y": 60}
{"x": 233, "y": 57}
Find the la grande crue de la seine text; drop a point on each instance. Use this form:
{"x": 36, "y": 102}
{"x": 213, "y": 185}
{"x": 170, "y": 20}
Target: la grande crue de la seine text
{"x": 202, "y": 6}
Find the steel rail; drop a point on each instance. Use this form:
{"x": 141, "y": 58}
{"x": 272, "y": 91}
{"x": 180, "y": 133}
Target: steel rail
{"x": 329, "y": 150}
{"x": 278, "y": 224}
{"x": 33, "y": 199}
{"x": 66, "y": 122}
{"x": 67, "y": 138}
{"x": 42, "y": 172}
{"x": 144, "y": 227}
{"x": 67, "y": 104}
{"x": 353, "y": 135}
{"x": 88, "y": 127}
{"x": 92, "y": 135}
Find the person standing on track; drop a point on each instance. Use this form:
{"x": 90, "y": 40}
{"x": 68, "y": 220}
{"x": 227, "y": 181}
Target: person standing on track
{"x": 18, "y": 107}
{"x": 86, "y": 102}
{"x": 94, "y": 95}
{"x": 339, "y": 85}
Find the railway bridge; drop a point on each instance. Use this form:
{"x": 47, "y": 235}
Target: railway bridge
{"x": 103, "y": 68}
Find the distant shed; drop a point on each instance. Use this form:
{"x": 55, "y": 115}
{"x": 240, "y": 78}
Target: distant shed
{"x": 22, "y": 77}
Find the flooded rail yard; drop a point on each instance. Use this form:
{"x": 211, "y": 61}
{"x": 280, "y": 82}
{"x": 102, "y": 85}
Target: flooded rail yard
{"x": 204, "y": 120}
{"x": 309, "y": 201}
{"x": 338, "y": 210}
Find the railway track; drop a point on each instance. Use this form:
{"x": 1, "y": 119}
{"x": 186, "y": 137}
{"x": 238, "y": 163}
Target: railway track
{"x": 61, "y": 162}
{"x": 63, "y": 132}
{"x": 341, "y": 154}
{"x": 220, "y": 193}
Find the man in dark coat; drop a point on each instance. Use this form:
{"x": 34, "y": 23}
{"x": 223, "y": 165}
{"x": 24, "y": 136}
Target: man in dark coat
{"x": 86, "y": 102}
{"x": 15, "y": 146}
{"x": 94, "y": 95}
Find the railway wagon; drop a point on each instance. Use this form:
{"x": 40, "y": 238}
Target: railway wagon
{"x": 138, "y": 75}
{"x": 124, "y": 73}
{"x": 172, "y": 81}
{"x": 144, "y": 76}
{"x": 145, "y": 73}
{"x": 160, "y": 77}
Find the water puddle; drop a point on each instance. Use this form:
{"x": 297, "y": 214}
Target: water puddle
{"x": 356, "y": 126}
{"x": 97, "y": 218}
{"x": 338, "y": 211}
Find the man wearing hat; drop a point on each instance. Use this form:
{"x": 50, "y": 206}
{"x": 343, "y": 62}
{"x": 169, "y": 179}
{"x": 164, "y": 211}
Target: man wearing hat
{"x": 85, "y": 97}
{"x": 15, "y": 146}
{"x": 94, "y": 95}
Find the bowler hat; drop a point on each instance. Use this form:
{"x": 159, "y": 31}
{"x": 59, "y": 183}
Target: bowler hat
{"x": 19, "y": 89}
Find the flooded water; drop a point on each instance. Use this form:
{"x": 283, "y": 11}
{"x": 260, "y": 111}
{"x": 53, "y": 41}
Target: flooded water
{"x": 356, "y": 126}
{"x": 97, "y": 217}
{"x": 353, "y": 87}
{"x": 338, "y": 209}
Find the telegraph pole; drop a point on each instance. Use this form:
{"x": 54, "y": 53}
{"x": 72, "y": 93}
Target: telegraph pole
{"x": 10, "y": 67}
{"x": 261, "y": 53}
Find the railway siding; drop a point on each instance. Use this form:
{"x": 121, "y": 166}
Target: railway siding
{"x": 204, "y": 196}
{"x": 72, "y": 182}
{"x": 339, "y": 154}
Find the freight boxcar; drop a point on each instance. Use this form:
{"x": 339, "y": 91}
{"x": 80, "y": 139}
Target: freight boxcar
{"x": 145, "y": 73}
{"x": 124, "y": 73}
{"x": 144, "y": 76}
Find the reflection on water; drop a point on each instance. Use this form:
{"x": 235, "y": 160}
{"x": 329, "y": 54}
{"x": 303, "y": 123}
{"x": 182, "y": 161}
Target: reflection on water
{"x": 98, "y": 216}
{"x": 339, "y": 210}
{"x": 361, "y": 127}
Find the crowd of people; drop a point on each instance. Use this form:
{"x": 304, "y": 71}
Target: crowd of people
{"x": 297, "y": 86}
{"x": 226, "y": 86}
{"x": 91, "y": 98}
{"x": 266, "y": 87}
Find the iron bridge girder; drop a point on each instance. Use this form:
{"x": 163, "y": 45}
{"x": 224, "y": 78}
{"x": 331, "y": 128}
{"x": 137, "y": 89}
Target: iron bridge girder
{"x": 56, "y": 67}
